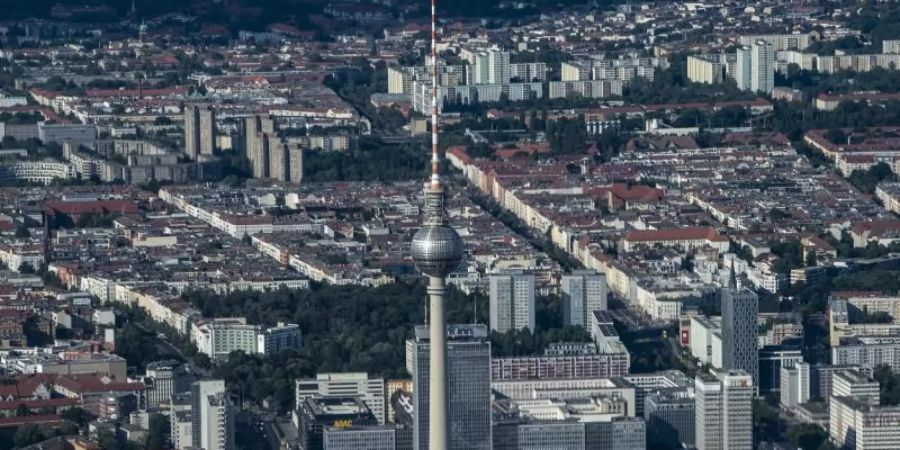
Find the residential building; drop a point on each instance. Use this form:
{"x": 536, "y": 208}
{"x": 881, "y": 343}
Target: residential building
{"x": 468, "y": 361}
{"x": 512, "y": 302}
{"x": 356, "y": 384}
{"x": 199, "y": 131}
{"x": 779, "y": 41}
{"x": 217, "y": 338}
{"x": 724, "y": 410}
{"x": 707, "y": 69}
{"x": 583, "y": 292}
{"x": 280, "y": 337}
{"x": 762, "y": 67}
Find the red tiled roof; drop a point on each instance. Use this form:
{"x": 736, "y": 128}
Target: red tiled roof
{"x": 42, "y": 403}
{"x": 96, "y": 383}
{"x": 50, "y": 419}
{"x": 675, "y": 234}
{"x": 97, "y": 207}
{"x": 636, "y": 193}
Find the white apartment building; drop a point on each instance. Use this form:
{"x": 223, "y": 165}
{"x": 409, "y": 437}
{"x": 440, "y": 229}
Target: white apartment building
{"x": 707, "y": 69}
{"x": 511, "y": 302}
{"x": 217, "y": 338}
{"x": 779, "y": 41}
{"x": 583, "y": 292}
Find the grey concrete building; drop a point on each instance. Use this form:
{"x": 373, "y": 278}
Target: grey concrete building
{"x": 199, "y": 131}
{"x": 669, "y": 414}
{"x": 740, "y": 309}
{"x": 469, "y": 386}
{"x": 512, "y": 302}
{"x": 583, "y": 292}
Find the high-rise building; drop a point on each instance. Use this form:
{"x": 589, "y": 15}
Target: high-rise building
{"x": 256, "y": 144}
{"x": 438, "y": 250}
{"x": 669, "y": 414}
{"x": 469, "y": 387}
{"x": 269, "y": 155}
{"x": 740, "y": 309}
{"x": 795, "y": 385}
{"x": 762, "y": 62}
{"x": 212, "y": 416}
{"x": 352, "y": 384}
{"x": 164, "y": 379}
{"x": 199, "y": 131}
{"x": 743, "y": 68}
{"x": 723, "y": 411}
{"x": 583, "y": 292}
{"x": 492, "y": 67}
{"x": 285, "y": 160}
{"x": 512, "y": 302}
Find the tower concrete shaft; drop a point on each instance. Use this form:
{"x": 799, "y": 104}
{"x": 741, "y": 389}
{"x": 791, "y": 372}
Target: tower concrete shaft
{"x": 438, "y": 422}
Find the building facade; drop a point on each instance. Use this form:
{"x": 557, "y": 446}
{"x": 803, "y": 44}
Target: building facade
{"x": 723, "y": 418}
{"x": 583, "y": 292}
{"x": 468, "y": 361}
{"x": 511, "y": 302}
{"x": 740, "y": 309}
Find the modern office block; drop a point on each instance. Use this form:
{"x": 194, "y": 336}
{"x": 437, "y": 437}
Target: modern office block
{"x": 772, "y": 358}
{"x": 512, "y": 302}
{"x": 469, "y": 386}
{"x": 740, "y": 309}
{"x": 795, "y": 385}
{"x": 669, "y": 414}
{"x": 723, "y": 418}
{"x": 317, "y": 413}
{"x": 280, "y": 337}
{"x": 367, "y": 437}
{"x": 853, "y": 383}
{"x": 858, "y": 424}
{"x": 583, "y": 292}
{"x": 199, "y": 131}
{"x": 352, "y": 384}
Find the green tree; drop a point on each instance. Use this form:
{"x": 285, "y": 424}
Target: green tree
{"x": 807, "y": 436}
{"x": 76, "y": 415}
{"x": 158, "y": 434}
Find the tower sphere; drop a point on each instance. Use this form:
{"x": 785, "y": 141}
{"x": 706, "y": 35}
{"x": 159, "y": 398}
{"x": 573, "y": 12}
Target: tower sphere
{"x": 437, "y": 250}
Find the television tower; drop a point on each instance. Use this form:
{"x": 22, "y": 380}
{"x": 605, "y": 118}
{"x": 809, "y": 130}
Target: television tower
{"x": 437, "y": 250}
